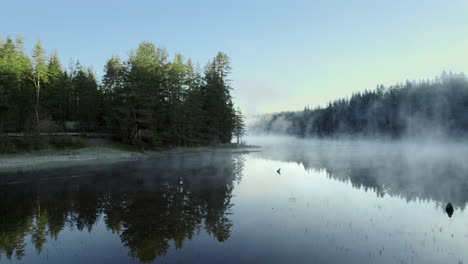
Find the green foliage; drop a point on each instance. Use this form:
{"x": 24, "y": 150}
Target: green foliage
{"x": 239, "y": 126}
{"x": 39, "y": 77}
{"x": 16, "y": 88}
{"x": 21, "y": 144}
{"x": 29, "y": 144}
{"x": 217, "y": 101}
{"x": 163, "y": 103}
{"x": 86, "y": 92}
{"x": 40, "y": 71}
{"x": 151, "y": 100}
{"x": 54, "y": 94}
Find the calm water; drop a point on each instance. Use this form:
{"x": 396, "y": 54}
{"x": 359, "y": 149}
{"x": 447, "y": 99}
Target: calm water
{"x": 334, "y": 202}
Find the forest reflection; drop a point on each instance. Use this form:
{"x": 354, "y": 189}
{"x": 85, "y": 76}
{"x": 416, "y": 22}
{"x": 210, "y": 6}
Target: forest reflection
{"x": 415, "y": 171}
{"x": 148, "y": 203}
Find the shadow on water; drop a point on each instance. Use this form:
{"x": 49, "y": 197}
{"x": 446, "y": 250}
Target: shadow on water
{"x": 148, "y": 203}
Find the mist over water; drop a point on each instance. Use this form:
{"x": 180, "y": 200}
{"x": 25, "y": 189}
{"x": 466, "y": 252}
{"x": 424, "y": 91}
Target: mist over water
{"x": 412, "y": 169}
{"x": 333, "y": 201}
{"x": 432, "y": 109}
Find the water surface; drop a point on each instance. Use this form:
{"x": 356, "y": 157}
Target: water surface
{"x": 334, "y": 202}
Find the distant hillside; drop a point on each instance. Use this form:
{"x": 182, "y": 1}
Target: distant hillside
{"x": 436, "y": 107}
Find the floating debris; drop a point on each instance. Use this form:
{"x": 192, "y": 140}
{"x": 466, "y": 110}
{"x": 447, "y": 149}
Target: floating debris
{"x": 449, "y": 209}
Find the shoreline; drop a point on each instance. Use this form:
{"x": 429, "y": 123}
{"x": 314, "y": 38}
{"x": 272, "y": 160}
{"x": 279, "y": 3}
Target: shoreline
{"x": 53, "y": 158}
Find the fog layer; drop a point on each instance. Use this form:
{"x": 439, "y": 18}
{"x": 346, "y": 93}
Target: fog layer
{"x": 429, "y": 170}
{"x": 426, "y": 108}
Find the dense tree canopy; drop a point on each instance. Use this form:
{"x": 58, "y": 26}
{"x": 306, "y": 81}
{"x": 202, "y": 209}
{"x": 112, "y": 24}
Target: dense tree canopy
{"x": 430, "y": 108}
{"x": 149, "y": 99}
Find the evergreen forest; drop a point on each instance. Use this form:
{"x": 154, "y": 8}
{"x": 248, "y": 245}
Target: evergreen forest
{"x": 433, "y": 108}
{"x": 148, "y": 100}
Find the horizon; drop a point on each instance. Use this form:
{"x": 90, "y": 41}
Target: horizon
{"x": 295, "y": 55}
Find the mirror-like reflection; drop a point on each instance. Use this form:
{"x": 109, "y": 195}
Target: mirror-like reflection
{"x": 293, "y": 201}
{"x": 428, "y": 171}
{"x": 148, "y": 203}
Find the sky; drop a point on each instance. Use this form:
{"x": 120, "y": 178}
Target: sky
{"x": 285, "y": 55}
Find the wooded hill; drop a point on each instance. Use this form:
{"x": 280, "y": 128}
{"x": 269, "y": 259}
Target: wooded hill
{"x": 426, "y": 108}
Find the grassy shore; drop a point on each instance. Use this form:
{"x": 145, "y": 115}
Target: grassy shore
{"x": 92, "y": 151}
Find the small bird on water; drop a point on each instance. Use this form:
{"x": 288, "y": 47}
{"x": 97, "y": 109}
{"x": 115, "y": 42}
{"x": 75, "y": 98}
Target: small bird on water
{"x": 279, "y": 171}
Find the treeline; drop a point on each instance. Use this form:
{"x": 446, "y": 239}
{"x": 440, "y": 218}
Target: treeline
{"x": 430, "y": 107}
{"x": 148, "y": 99}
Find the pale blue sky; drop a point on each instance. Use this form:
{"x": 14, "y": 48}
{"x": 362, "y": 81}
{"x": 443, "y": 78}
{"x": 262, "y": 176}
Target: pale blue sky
{"x": 285, "y": 54}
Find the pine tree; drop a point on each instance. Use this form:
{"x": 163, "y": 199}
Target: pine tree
{"x": 39, "y": 77}
{"x": 239, "y": 126}
{"x": 54, "y": 99}
{"x": 112, "y": 110}
{"x": 218, "y": 101}
{"x": 16, "y": 91}
{"x": 146, "y": 94}
{"x": 85, "y": 85}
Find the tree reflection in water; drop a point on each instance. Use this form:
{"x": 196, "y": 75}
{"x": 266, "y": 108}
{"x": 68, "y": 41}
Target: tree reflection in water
{"x": 149, "y": 203}
{"x": 411, "y": 171}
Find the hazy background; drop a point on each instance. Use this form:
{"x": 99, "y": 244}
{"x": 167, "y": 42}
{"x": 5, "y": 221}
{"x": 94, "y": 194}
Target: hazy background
{"x": 285, "y": 54}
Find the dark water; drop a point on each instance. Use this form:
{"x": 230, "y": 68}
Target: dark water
{"x": 334, "y": 202}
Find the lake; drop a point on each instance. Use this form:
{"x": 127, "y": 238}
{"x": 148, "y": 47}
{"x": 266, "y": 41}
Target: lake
{"x": 331, "y": 202}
